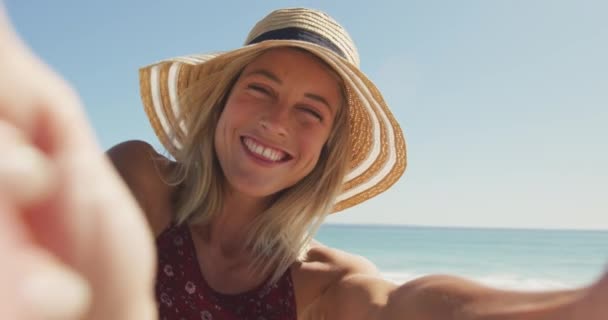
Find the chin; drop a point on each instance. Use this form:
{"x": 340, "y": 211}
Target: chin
{"x": 256, "y": 190}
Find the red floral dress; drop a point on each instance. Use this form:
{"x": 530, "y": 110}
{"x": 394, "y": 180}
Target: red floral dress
{"x": 183, "y": 294}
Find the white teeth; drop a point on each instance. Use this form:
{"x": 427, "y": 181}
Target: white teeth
{"x": 270, "y": 154}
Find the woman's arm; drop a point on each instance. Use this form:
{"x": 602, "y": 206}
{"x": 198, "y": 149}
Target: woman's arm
{"x": 452, "y": 298}
{"x": 448, "y": 297}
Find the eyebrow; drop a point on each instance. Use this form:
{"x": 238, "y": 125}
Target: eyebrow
{"x": 271, "y": 76}
{"x": 266, "y": 74}
{"x": 320, "y": 99}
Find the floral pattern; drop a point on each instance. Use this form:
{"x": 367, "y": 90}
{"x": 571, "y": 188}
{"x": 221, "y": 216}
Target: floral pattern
{"x": 183, "y": 294}
{"x": 168, "y": 269}
{"x": 206, "y": 315}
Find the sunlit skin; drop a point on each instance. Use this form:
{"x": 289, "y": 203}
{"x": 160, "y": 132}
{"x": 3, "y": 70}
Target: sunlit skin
{"x": 287, "y": 100}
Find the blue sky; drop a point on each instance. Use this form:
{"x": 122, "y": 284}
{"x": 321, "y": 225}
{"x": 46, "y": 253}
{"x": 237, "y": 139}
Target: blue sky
{"x": 504, "y": 103}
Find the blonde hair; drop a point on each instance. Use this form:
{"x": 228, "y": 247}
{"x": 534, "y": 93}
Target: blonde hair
{"x": 279, "y": 235}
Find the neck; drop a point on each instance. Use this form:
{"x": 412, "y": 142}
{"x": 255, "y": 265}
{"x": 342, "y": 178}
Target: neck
{"x": 229, "y": 228}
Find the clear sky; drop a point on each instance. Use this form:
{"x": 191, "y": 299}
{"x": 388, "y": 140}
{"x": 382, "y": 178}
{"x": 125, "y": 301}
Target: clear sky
{"x": 504, "y": 103}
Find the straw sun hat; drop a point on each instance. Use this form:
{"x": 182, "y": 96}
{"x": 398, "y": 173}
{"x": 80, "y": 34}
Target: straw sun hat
{"x": 378, "y": 154}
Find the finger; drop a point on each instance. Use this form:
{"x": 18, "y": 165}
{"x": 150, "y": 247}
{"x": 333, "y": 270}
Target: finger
{"x": 49, "y": 289}
{"x": 26, "y": 175}
{"x": 35, "y": 285}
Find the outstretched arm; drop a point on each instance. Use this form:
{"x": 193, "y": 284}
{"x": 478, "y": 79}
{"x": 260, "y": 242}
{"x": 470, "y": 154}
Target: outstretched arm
{"x": 452, "y": 298}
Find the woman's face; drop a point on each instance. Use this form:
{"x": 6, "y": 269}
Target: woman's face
{"x": 276, "y": 120}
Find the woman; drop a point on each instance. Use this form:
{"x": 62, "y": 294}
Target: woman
{"x": 263, "y": 138}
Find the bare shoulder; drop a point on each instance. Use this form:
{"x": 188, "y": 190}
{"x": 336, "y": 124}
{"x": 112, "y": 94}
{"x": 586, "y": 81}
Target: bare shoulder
{"x": 145, "y": 172}
{"x": 343, "y": 262}
{"x": 319, "y": 271}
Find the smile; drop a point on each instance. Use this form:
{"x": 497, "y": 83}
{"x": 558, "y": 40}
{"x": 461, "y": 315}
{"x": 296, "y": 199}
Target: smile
{"x": 265, "y": 152}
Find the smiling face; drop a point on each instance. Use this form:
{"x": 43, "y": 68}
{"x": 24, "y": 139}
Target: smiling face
{"x": 277, "y": 118}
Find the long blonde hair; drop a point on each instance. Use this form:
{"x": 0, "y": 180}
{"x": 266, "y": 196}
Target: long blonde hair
{"x": 280, "y": 234}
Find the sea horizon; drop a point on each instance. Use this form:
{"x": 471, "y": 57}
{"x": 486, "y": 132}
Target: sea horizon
{"x": 464, "y": 227}
{"x": 508, "y": 258}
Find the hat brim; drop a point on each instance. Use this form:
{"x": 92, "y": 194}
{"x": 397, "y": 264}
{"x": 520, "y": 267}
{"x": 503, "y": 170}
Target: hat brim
{"x": 378, "y": 153}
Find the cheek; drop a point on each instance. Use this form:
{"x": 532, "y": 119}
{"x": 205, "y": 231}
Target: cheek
{"x": 237, "y": 112}
{"x": 313, "y": 144}
{"x": 225, "y": 125}
{"x": 229, "y": 118}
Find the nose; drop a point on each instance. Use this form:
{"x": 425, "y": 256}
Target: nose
{"x": 275, "y": 121}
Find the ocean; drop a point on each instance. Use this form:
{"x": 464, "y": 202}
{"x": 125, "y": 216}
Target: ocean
{"x": 521, "y": 259}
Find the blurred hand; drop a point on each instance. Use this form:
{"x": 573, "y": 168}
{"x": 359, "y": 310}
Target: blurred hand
{"x": 73, "y": 242}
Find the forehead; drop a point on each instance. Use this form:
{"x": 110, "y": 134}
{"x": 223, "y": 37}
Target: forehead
{"x": 300, "y": 71}
{"x": 286, "y": 59}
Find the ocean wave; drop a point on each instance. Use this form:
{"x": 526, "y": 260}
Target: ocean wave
{"x": 500, "y": 281}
